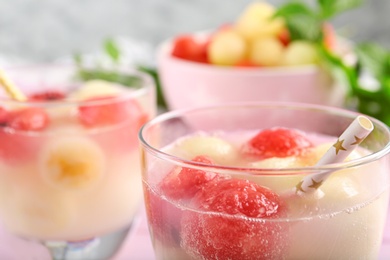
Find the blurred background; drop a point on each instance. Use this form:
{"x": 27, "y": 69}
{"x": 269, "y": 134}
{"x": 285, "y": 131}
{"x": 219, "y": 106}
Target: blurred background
{"x": 48, "y": 30}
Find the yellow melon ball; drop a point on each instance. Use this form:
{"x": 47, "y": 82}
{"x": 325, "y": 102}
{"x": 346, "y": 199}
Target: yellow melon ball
{"x": 257, "y": 20}
{"x": 315, "y": 154}
{"x": 300, "y": 53}
{"x": 227, "y": 48}
{"x": 277, "y": 163}
{"x": 266, "y": 51}
{"x": 341, "y": 185}
{"x": 219, "y": 150}
{"x": 278, "y": 182}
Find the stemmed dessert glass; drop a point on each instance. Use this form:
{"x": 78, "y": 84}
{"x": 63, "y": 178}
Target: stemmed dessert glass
{"x": 69, "y": 163}
{"x": 203, "y": 185}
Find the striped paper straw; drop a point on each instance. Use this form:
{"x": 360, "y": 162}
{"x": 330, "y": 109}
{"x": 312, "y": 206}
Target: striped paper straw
{"x": 10, "y": 88}
{"x": 356, "y": 132}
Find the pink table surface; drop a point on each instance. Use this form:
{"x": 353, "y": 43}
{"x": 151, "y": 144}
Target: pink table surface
{"x": 137, "y": 245}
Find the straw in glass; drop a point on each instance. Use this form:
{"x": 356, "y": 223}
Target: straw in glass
{"x": 355, "y": 133}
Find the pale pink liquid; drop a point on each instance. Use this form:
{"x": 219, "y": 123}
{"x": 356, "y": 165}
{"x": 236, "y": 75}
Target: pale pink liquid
{"x": 36, "y": 206}
{"x": 343, "y": 221}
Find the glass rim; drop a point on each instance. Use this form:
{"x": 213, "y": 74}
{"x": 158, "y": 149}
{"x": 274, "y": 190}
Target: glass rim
{"x": 263, "y": 171}
{"x": 144, "y": 88}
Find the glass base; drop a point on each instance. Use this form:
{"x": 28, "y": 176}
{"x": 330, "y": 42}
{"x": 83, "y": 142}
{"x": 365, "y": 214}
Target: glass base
{"x": 95, "y": 248}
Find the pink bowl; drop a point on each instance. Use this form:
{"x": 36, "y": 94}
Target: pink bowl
{"x": 186, "y": 84}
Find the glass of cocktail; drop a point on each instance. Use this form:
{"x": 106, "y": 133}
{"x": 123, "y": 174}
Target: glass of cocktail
{"x": 69, "y": 160}
{"x": 223, "y": 182}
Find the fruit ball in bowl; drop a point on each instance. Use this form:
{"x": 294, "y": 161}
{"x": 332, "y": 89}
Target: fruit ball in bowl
{"x": 252, "y": 59}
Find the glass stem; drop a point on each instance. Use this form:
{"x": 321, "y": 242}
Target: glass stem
{"x": 62, "y": 250}
{"x": 57, "y": 250}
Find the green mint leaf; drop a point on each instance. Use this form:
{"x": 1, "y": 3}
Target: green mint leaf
{"x": 154, "y": 73}
{"x": 304, "y": 27}
{"x": 386, "y": 70}
{"x": 330, "y": 8}
{"x": 305, "y": 22}
{"x": 294, "y": 8}
{"x": 110, "y": 76}
{"x": 78, "y": 59}
{"x": 302, "y": 22}
{"x": 343, "y": 73}
{"x": 375, "y": 58}
{"x": 112, "y": 49}
{"x": 373, "y": 102}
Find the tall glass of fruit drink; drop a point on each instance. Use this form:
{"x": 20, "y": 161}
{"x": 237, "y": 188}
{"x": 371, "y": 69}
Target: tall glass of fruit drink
{"x": 69, "y": 160}
{"x": 223, "y": 183}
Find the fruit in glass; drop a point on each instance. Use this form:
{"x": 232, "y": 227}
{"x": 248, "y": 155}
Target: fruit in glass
{"x": 220, "y": 183}
{"x": 69, "y": 161}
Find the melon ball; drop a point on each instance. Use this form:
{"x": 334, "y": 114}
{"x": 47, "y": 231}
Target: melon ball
{"x": 300, "y": 53}
{"x": 266, "y": 51}
{"x": 217, "y": 149}
{"x": 277, "y": 182}
{"x": 96, "y": 88}
{"x": 316, "y": 153}
{"x": 278, "y": 163}
{"x": 257, "y": 20}
{"x": 227, "y": 48}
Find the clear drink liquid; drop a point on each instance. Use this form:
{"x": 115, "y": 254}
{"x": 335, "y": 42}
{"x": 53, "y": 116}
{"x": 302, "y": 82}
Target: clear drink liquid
{"x": 344, "y": 219}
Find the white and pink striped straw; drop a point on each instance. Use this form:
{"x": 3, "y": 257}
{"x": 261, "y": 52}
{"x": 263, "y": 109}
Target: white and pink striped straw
{"x": 356, "y": 132}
